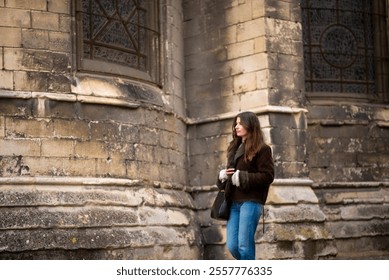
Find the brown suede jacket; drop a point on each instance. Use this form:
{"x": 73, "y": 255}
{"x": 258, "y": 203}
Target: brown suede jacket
{"x": 255, "y": 176}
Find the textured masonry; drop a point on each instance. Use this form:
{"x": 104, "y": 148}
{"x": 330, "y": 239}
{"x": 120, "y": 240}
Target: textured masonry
{"x": 104, "y": 167}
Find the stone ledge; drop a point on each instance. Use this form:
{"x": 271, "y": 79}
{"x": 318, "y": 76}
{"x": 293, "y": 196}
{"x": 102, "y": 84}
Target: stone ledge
{"x": 91, "y": 216}
{"x": 291, "y": 191}
{"x": 96, "y": 238}
{"x": 156, "y": 252}
{"x": 114, "y": 101}
{"x": 260, "y": 110}
{"x": 68, "y": 181}
{"x": 54, "y": 192}
{"x": 356, "y": 184}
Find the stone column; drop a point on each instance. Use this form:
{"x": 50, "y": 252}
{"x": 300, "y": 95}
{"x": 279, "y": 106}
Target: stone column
{"x": 295, "y": 223}
{"x": 247, "y": 55}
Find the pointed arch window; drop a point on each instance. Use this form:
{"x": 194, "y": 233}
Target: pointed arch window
{"x": 119, "y": 37}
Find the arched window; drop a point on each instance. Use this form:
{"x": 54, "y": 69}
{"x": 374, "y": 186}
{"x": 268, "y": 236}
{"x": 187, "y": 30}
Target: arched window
{"x": 119, "y": 37}
{"x": 345, "y": 48}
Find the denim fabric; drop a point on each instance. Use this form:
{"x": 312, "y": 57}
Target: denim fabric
{"x": 241, "y": 227}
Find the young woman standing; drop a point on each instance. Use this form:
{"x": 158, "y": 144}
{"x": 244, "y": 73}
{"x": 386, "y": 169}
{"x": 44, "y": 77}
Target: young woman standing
{"x": 246, "y": 181}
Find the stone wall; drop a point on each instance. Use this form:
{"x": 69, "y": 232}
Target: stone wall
{"x": 348, "y": 148}
{"x": 90, "y": 166}
{"x": 95, "y": 218}
{"x": 104, "y": 167}
{"x": 348, "y": 142}
{"x": 232, "y": 67}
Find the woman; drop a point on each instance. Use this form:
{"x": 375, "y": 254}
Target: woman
{"x": 246, "y": 181}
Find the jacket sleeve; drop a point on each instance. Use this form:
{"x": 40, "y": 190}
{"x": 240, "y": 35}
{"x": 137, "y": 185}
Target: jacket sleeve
{"x": 264, "y": 174}
{"x": 221, "y": 185}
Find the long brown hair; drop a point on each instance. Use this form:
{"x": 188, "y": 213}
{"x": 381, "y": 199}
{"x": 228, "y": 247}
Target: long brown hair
{"x": 254, "y": 140}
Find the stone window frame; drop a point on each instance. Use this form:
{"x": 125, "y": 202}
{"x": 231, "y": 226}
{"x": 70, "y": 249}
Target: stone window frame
{"x": 381, "y": 67}
{"x": 151, "y": 75}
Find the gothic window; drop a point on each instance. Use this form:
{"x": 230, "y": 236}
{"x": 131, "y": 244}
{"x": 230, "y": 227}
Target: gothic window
{"x": 340, "y": 48}
{"x": 119, "y": 37}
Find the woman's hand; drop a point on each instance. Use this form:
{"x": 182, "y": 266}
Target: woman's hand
{"x": 235, "y": 178}
{"x": 223, "y": 175}
{"x": 230, "y": 171}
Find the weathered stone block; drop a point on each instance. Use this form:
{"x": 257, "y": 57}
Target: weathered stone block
{"x": 99, "y": 150}
{"x": 282, "y": 135}
{"x": 364, "y": 212}
{"x": 29, "y": 128}
{"x": 33, "y": 5}
{"x": 35, "y": 39}
{"x": 31, "y": 81}
{"x": 105, "y": 131}
{"x": 48, "y": 166}
{"x": 62, "y": 112}
{"x": 319, "y": 160}
{"x": 112, "y": 114}
{"x": 59, "y": 82}
{"x": 357, "y": 228}
{"x": 10, "y": 37}
{"x": 57, "y": 148}
{"x": 111, "y": 167}
{"x": 293, "y": 214}
{"x": 16, "y": 107}
{"x": 168, "y": 140}
{"x": 250, "y": 29}
{"x": 278, "y": 10}
{"x": 24, "y": 147}
{"x": 45, "y": 20}
{"x": 343, "y": 131}
{"x": 204, "y": 200}
{"x": 71, "y": 129}
{"x": 353, "y": 195}
{"x": 11, "y": 166}
{"x": 64, "y": 196}
{"x": 15, "y": 17}
{"x": 204, "y": 169}
{"x": 215, "y": 234}
{"x": 65, "y": 23}
{"x": 157, "y": 252}
{"x": 62, "y": 7}
{"x": 144, "y": 153}
{"x": 285, "y": 45}
{"x": 175, "y": 172}
{"x": 315, "y": 249}
{"x": 241, "y": 49}
{"x": 194, "y": 27}
{"x": 239, "y": 14}
{"x": 7, "y": 79}
{"x": 291, "y": 195}
{"x": 245, "y": 82}
{"x": 255, "y": 62}
{"x": 93, "y": 238}
{"x": 373, "y": 248}
{"x": 296, "y": 232}
{"x": 372, "y": 159}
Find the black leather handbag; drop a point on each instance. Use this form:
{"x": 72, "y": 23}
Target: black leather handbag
{"x": 221, "y": 207}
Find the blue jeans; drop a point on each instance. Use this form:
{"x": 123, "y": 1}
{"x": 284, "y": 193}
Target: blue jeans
{"x": 241, "y": 227}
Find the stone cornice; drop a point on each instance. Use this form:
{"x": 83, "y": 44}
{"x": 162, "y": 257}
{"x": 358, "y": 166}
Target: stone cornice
{"x": 68, "y": 181}
{"x": 259, "y": 110}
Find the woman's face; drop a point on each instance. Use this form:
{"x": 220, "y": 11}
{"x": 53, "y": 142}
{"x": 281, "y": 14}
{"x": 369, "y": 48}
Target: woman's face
{"x": 240, "y": 130}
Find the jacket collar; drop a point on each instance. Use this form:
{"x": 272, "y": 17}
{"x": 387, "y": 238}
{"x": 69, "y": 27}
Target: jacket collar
{"x": 239, "y": 153}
